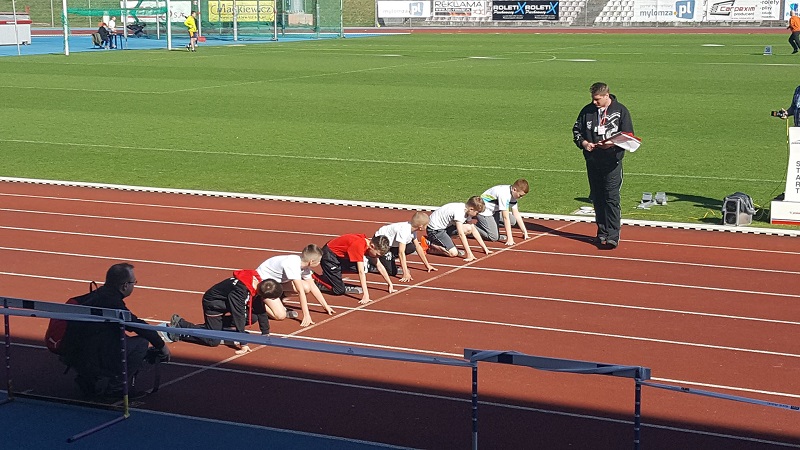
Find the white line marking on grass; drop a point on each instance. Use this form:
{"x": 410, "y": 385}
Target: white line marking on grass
{"x": 579, "y": 60}
{"x": 747, "y": 64}
{"x": 45, "y": 88}
{"x": 310, "y": 76}
{"x": 713, "y": 45}
{"x": 381, "y": 162}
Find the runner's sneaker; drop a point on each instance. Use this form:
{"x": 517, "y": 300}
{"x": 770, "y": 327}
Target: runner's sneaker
{"x": 291, "y": 314}
{"x": 399, "y": 270}
{"x": 350, "y": 289}
{"x": 462, "y": 254}
{"x": 502, "y": 238}
{"x": 175, "y": 322}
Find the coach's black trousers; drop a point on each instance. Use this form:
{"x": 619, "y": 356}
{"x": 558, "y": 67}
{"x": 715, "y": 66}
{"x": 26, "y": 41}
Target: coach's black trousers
{"x": 605, "y": 179}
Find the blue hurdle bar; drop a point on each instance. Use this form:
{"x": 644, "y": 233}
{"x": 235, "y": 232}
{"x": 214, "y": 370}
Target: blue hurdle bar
{"x": 637, "y": 373}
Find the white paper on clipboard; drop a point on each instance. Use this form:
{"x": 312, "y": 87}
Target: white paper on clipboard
{"x": 625, "y": 141}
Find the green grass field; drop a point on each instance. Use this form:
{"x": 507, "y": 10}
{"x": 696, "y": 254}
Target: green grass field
{"x": 420, "y": 119}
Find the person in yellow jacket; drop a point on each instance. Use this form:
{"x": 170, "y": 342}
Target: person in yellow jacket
{"x": 794, "y": 27}
{"x": 191, "y": 25}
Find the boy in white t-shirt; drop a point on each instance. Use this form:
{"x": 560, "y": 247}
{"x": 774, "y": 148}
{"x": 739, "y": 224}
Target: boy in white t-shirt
{"x": 499, "y": 201}
{"x": 401, "y": 234}
{"x": 295, "y": 275}
{"x": 450, "y": 220}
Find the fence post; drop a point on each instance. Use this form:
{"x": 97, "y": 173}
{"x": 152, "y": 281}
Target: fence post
{"x": 475, "y": 405}
{"x": 637, "y": 411}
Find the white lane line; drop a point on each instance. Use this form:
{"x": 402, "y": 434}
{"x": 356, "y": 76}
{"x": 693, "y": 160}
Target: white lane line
{"x": 189, "y": 208}
{"x": 165, "y": 222}
{"x": 648, "y": 283}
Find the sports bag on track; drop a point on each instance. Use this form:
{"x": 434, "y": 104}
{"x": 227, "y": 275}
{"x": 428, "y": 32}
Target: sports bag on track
{"x": 57, "y": 328}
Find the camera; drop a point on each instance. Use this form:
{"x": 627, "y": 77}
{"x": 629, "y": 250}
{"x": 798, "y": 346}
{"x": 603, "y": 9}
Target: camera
{"x": 782, "y": 114}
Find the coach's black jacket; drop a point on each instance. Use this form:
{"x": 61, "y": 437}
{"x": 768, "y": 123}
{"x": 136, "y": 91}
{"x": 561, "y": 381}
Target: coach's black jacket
{"x": 618, "y": 119}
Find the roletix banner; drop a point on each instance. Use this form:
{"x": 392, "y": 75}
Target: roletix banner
{"x": 524, "y": 10}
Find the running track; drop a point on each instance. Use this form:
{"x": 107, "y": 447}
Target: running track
{"x": 711, "y": 310}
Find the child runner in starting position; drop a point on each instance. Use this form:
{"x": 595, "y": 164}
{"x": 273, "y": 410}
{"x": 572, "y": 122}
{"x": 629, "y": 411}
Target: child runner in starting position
{"x": 450, "y": 220}
{"x": 232, "y": 303}
{"x": 346, "y": 254}
{"x": 295, "y": 275}
{"x": 401, "y": 234}
{"x": 500, "y": 201}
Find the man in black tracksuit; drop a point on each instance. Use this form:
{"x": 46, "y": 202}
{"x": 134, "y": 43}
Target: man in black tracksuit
{"x": 93, "y": 348}
{"x": 597, "y": 121}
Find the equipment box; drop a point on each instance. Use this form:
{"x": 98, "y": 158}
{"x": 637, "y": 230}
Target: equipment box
{"x": 735, "y": 213}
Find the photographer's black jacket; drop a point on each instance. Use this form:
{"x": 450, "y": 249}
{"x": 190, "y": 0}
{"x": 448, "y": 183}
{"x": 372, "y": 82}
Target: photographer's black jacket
{"x": 618, "y": 119}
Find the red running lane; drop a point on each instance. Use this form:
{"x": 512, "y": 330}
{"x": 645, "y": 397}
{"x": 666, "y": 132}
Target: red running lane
{"x": 705, "y": 308}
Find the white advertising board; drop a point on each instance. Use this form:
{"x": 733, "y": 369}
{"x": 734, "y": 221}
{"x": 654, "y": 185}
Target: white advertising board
{"x": 787, "y": 212}
{"x": 742, "y": 10}
{"x": 179, "y": 10}
{"x": 403, "y": 9}
{"x": 790, "y": 5}
{"x": 461, "y": 8}
{"x": 666, "y": 11}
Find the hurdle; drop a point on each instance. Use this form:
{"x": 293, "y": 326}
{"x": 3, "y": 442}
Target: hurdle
{"x": 41, "y": 309}
{"x": 638, "y": 373}
{"x": 48, "y": 310}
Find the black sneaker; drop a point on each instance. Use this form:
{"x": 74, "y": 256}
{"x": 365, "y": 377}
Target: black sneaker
{"x": 291, "y": 314}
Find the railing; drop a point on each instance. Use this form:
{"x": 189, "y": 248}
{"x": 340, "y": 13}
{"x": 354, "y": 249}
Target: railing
{"x": 48, "y": 310}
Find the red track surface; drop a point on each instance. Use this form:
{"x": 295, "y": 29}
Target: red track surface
{"x": 721, "y": 310}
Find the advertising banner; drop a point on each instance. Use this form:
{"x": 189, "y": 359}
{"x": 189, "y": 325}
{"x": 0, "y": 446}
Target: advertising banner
{"x": 178, "y": 10}
{"x": 790, "y": 5}
{"x": 742, "y": 10}
{"x": 525, "y": 10}
{"x": 246, "y": 11}
{"x": 666, "y": 11}
{"x": 402, "y": 10}
{"x": 461, "y": 8}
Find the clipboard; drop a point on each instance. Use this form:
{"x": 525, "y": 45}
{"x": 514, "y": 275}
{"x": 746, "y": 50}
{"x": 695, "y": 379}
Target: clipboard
{"x": 624, "y": 140}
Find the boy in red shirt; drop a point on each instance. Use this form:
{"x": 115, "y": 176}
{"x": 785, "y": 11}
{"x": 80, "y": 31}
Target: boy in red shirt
{"x": 346, "y": 254}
